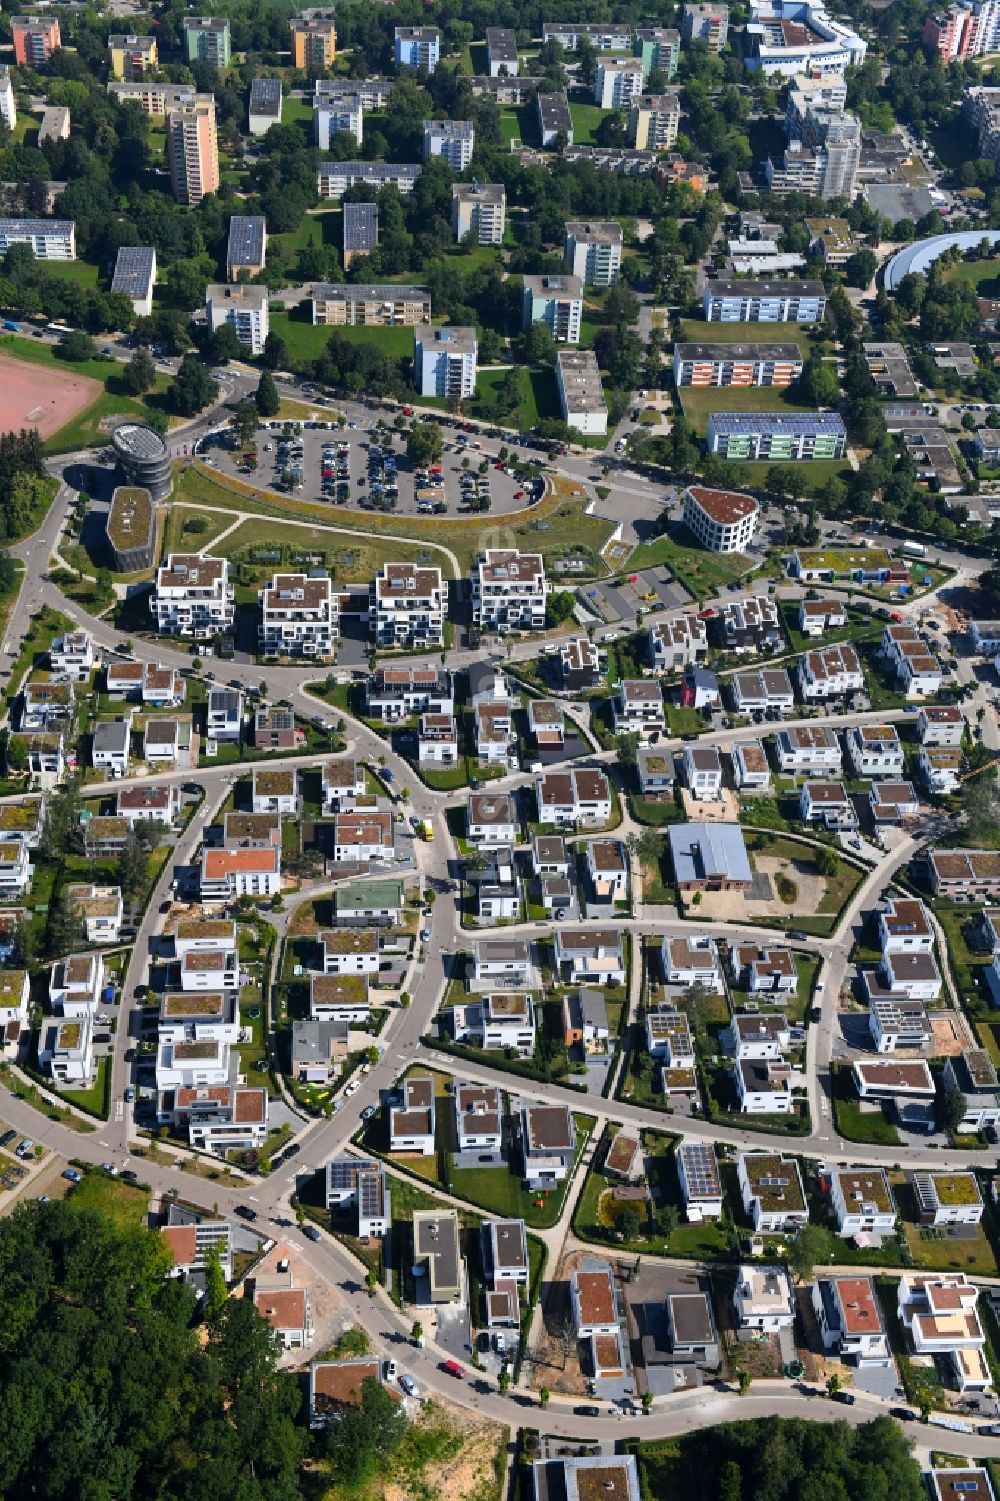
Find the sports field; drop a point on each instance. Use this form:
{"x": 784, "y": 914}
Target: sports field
{"x": 40, "y": 396}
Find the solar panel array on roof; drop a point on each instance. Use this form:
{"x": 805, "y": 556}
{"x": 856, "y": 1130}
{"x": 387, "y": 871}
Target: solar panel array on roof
{"x": 133, "y": 269}
{"x": 369, "y": 1193}
{"x": 265, "y": 96}
{"x": 360, "y": 226}
{"x": 700, "y": 1169}
{"x": 246, "y": 240}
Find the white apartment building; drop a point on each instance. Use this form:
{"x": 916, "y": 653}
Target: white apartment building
{"x": 478, "y": 210}
{"x": 579, "y": 796}
{"x": 339, "y": 998}
{"x": 763, "y": 1299}
{"x": 499, "y": 1020}
{"x": 336, "y": 114}
{"x": 862, "y": 1201}
{"x": 478, "y": 1117}
{"x": 101, "y": 909}
{"x": 702, "y": 772}
{"x": 581, "y": 392}
{"x": 509, "y": 590}
{"x": 773, "y": 1196}
{"x": 701, "y": 1185}
{"x": 72, "y": 655}
{"x": 48, "y": 239}
{"x": 454, "y": 140}
{"x": 875, "y": 750}
{"x": 940, "y": 725}
{"x": 193, "y": 596}
{"x": 722, "y": 520}
{"x": 818, "y": 616}
{"x": 75, "y": 984}
{"x": 407, "y": 606}
{"x": 941, "y": 1316}
{"x": 830, "y": 672}
{"x": 637, "y": 706}
{"x": 8, "y": 108}
{"x": 618, "y": 81}
{"x": 947, "y": 1198}
{"x": 593, "y": 251}
{"x": 812, "y": 748}
{"x": 850, "y": 1321}
{"x": 300, "y": 616}
{"x": 940, "y": 768}
{"x": 227, "y": 875}
{"x": 904, "y": 927}
{"x": 417, "y": 47}
{"x": 412, "y": 1121}
{"x": 363, "y": 838}
{"x": 111, "y": 745}
{"x": 244, "y": 308}
{"x": 556, "y": 301}
{"x": 221, "y": 1118}
{"x": 445, "y": 362}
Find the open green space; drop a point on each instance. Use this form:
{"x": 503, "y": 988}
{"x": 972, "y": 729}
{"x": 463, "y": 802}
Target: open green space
{"x": 697, "y": 331}
{"x": 306, "y": 340}
{"x": 349, "y": 560}
{"x": 983, "y": 276}
{"x": 190, "y": 530}
{"x": 856, "y": 1121}
{"x": 556, "y": 526}
{"x": 296, "y": 111}
{"x": 700, "y": 403}
{"x": 586, "y": 120}
{"x": 82, "y": 272}
{"x": 703, "y": 573}
{"x": 126, "y": 1206}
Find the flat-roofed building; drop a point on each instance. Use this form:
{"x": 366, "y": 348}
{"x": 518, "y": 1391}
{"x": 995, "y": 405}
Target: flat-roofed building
{"x": 764, "y": 1299}
{"x": 132, "y": 57}
{"x": 207, "y": 39}
{"x": 752, "y": 301}
{"x": 356, "y": 305}
{"x": 314, "y": 43}
{"x": 850, "y": 1321}
{"x": 192, "y": 149}
{"x": 360, "y": 228}
{"x": 617, "y": 81}
{"x": 445, "y": 362}
{"x": 593, "y": 250}
{"x": 555, "y": 121}
{"x": 862, "y": 1201}
{"x": 772, "y": 1191}
{"x": 300, "y": 616}
{"x": 653, "y": 122}
{"x": 135, "y": 276}
{"x": 265, "y": 105}
{"x": 509, "y": 590}
{"x": 407, "y": 606}
{"x": 452, "y": 140}
{"x": 35, "y": 39}
{"x": 581, "y": 392}
{"x": 722, "y": 520}
{"x": 478, "y": 212}
{"x": 733, "y": 365}
{"x": 244, "y": 308}
{"x": 47, "y": 239}
{"x": 417, "y": 47}
{"x": 548, "y": 1142}
{"x": 700, "y": 1182}
{"x": 334, "y": 178}
{"x": 437, "y": 1253}
{"x": 501, "y": 52}
{"x": 247, "y": 248}
{"x": 707, "y": 23}
{"x": 412, "y": 1120}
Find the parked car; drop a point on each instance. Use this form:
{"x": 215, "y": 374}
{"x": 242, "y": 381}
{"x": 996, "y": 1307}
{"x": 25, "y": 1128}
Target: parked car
{"x": 311, "y": 1233}
{"x": 245, "y": 1212}
{"x": 409, "y": 1386}
{"x": 848, "y": 1398}
{"x": 72, "y": 1176}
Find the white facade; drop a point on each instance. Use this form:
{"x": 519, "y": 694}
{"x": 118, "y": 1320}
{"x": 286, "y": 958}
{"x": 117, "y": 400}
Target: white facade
{"x": 593, "y": 251}
{"x": 763, "y": 1299}
{"x": 300, "y": 616}
{"x": 509, "y": 590}
{"x": 581, "y": 393}
{"x": 193, "y": 596}
{"x": 722, "y": 520}
{"x": 445, "y": 362}
{"x": 617, "y": 81}
{"x": 454, "y": 140}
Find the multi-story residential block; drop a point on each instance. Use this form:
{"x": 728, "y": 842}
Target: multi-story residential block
{"x": 360, "y": 1184}
{"x": 501, "y": 52}
{"x": 407, "y": 606}
{"x": 850, "y": 1321}
{"x": 829, "y": 672}
{"x": 757, "y": 437}
{"x": 437, "y": 740}
{"x": 579, "y": 797}
{"x": 896, "y": 1022}
{"x": 76, "y": 985}
{"x": 677, "y": 642}
{"x": 222, "y": 1118}
{"x": 813, "y": 748}
{"x": 581, "y": 393}
{"x": 72, "y": 655}
{"x": 556, "y": 301}
{"x": 941, "y": 1317}
{"x": 637, "y": 707}
{"x": 827, "y": 803}
{"x": 653, "y": 122}
{"x": 788, "y": 37}
{"x": 555, "y": 121}
{"x": 875, "y": 750}
{"x": 224, "y": 714}
{"x": 207, "y": 39}
{"x": 658, "y": 48}
{"x": 478, "y": 212}
{"x": 418, "y": 47}
{"x": 445, "y": 362}
{"x": 579, "y": 664}
{"x": 192, "y": 149}
{"x": 725, "y": 301}
{"x": 337, "y": 114}
{"x": 265, "y": 105}
{"x": 491, "y": 820}
{"x": 767, "y": 693}
{"x": 243, "y": 308}
{"x": 862, "y": 1201}
{"x": 617, "y": 81}
{"x": 300, "y": 616}
{"x": 722, "y": 520}
{"x": 334, "y": 178}
{"x": 35, "y": 39}
{"x": 940, "y": 725}
{"x": 964, "y": 874}
{"x": 155, "y": 98}
{"x": 314, "y": 43}
{"x": 47, "y": 239}
{"x": 604, "y": 36}
{"x": 360, "y": 230}
{"x": 193, "y": 596}
{"x": 904, "y": 927}
{"x": 135, "y": 277}
{"x": 593, "y": 251}
{"x": 339, "y": 997}
{"x": 940, "y": 769}
{"x": 707, "y": 23}
{"x": 509, "y": 590}
{"x": 227, "y": 875}
{"x": 356, "y": 305}
{"x": 453, "y": 140}
{"x": 397, "y": 693}
{"x": 736, "y": 364}
{"x": 773, "y": 1196}
{"x": 246, "y": 253}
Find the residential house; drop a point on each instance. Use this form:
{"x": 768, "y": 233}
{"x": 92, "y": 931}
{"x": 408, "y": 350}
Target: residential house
{"x": 499, "y": 1021}
{"x": 875, "y": 750}
{"x": 585, "y": 1020}
{"x": 46, "y": 705}
{"x": 767, "y": 693}
{"x": 590, "y": 955}
{"x": 397, "y": 693}
{"x": 343, "y": 783}
{"x": 317, "y": 1050}
{"x": 763, "y": 1086}
{"x": 16, "y": 870}
{"x": 772, "y": 1192}
{"x": 548, "y": 1143}
{"x": 763, "y": 1036}
{"x": 862, "y": 1201}
{"x": 349, "y": 951}
{"x": 412, "y": 1121}
{"x": 902, "y": 973}
{"x": 701, "y": 1185}
{"x": 940, "y": 1315}
{"x": 66, "y": 1049}
{"x": 504, "y": 963}
{"x": 884, "y": 1080}
{"x": 437, "y": 1253}
{"x": 893, "y": 801}
{"x": 964, "y": 875}
{"x": 829, "y": 672}
{"x": 227, "y": 875}
{"x": 505, "y": 1244}
{"x": 940, "y": 769}
{"x": 167, "y": 741}
{"x": 548, "y": 855}
{"x": 764, "y": 970}
{"x": 495, "y": 886}
{"x": 915, "y": 665}
{"x": 437, "y": 740}
{"x": 222, "y": 1117}
{"x": 191, "y": 1239}
{"x": 850, "y": 1321}
{"x": 637, "y": 707}
{"x": 687, "y": 960}
{"x": 579, "y": 664}
{"x": 110, "y": 745}
{"x": 545, "y": 723}
{"x": 274, "y": 728}
{"x": 948, "y": 1198}
{"x": 827, "y": 803}
{"x": 14, "y": 993}
{"x": 336, "y": 1385}
{"x": 76, "y": 985}
{"x": 284, "y": 1307}
{"x": 607, "y": 869}
{"x": 100, "y": 908}
{"x": 360, "y": 1184}
{"x": 655, "y": 773}
{"x": 577, "y": 797}
{"x": 493, "y": 729}
{"x": 763, "y": 1300}
{"x": 974, "y": 1074}
{"x": 72, "y": 655}
{"x": 251, "y": 831}
{"x": 368, "y": 902}
{"x": 360, "y": 838}
{"x": 224, "y": 715}
{"x": 898, "y": 1023}
{"x": 275, "y": 790}
{"x": 478, "y": 1117}
{"x": 339, "y": 998}
{"x": 810, "y": 748}
{"x": 702, "y": 772}
{"x": 677, "y": 642}
{"x": 904, "y": 927}
{"x": 749, "y": 626}
{"x": 817, "y": 617}
{"x": 669, "y": 1038}
{"x": 941, "y": 725}
{"x": 491, "y": 820}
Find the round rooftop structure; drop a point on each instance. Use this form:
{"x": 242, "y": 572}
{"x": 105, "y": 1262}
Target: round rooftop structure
{"x": 142, "y": 456}
{"x": 922, "y": 254}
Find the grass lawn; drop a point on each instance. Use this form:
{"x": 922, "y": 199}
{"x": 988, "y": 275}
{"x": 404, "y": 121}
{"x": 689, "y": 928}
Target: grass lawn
{"x": 703, "y": 573}
{"x": 817, "y": 470}
{"x": 321, "y": 228}
{"x": 349, "y": 562}
{"x": 179, "y": 534}
{"x": 112, "y": 1199}
{"x": 586, "y": 119}
{"x": 701, "y": 403}
{"x": 855, "y": 1124}
{"x": 95, "y": 1100}
{"x": 696, "y": 330}
{"x": 519, "y": 123}
{"x": 306, "y": 341}
{"x": 557, "y": 525}
{"x": 296, "y": 111}
{"x": 79, "y": 271}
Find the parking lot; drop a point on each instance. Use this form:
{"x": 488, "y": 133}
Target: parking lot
{"x": 364, "y": 466}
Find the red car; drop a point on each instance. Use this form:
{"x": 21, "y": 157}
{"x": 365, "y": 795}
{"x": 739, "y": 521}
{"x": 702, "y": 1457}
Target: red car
{"x": 453, "y": 1368}
{"x": 407, "y": 411}
{"x": 518, "y": 494}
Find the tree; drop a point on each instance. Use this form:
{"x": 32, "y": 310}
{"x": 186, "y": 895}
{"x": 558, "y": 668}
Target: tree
{"x": 860, "y": 268}
{"x": 745, "y": 1381}
{"x": 139, "y": 375}
{"x": 826, "y": 862}
{"x": 424, "y": 444}
{"x": 243, "y": 424}
{"x": 627, "y": 745}
{"x": 950, "y": 1110}
{"x": 194, "y": 388}
{"x": 216, "y": 1291}
{"x": 225, "y": 345}
{"x": 417, "y": 1332}
{"x": 503, "y": 1380}
{"x": 731, "y": 1482}
{"x": 805, "y": 1249}
{"x": 133, "y": 868}
{"x": 698, "y": 1005}
{"x": 559, "y": 607}
{"x": 275, "y": 353}
{"x": 630, "y": 1224}
{"x": 543, "y": 1396}
{"x": 668, "y": 1220}
{"x": 267, "y": 400}
{"x": 365, "y": 1437}
{"x": 539, "y": 345}
{"x": 77, "y": 345}
{"x": 818, "y": 382}
{"x": 65, "y": 929}
{"x": 832, "y": 1385}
